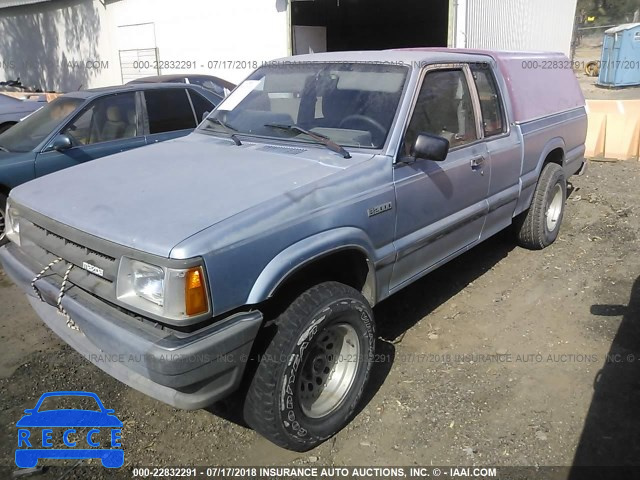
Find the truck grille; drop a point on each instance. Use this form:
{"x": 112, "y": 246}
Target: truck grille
{"x": 44, "y": 246}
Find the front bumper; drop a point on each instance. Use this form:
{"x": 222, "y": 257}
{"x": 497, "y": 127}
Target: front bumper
{"x": 187, "y": 371}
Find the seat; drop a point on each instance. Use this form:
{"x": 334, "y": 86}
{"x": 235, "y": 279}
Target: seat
{"x": 114, "y": 125}
{"x": 338, "y": 105}
{"x": 132, "y": 125}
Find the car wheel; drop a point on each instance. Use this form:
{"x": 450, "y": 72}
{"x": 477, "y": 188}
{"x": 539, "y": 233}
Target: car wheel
{"x": 3, "y": 207}
{"x": 113, "y": 459}
{"x": 312, "y": 375}
{"x": 25, "y": 459}
{"x": 6, "y": 126}
{"x": 538, "y": 227}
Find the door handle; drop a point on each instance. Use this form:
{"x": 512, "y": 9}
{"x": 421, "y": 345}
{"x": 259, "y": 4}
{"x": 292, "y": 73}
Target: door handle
{"x": 477, "y": 162}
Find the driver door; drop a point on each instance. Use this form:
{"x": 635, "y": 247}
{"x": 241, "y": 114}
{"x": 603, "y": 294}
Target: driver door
{"x": 108, "y": 125}
{"x": 442, "y": 206}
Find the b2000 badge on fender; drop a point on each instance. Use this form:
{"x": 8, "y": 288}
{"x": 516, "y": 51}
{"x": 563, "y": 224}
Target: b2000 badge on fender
{"x": 380, "y": 209}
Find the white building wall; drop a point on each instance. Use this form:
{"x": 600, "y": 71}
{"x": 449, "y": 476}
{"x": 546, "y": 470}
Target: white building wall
{"x": 226, "y": 38}
{"x": 67, "y": 44}
{"x": 61, "y": 45}
{"x": 538, "y": 25}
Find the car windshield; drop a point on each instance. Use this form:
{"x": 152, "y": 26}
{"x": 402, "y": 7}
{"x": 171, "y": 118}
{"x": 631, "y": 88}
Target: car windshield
{"x": 69, "y": 402}
{"x": 30, "y": 132}
{"x": 353, "y": 104}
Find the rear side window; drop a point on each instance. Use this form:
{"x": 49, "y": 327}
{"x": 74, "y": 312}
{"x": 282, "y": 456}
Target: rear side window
{"x": 200, "y": 105}
{"x": 169, "y": 110}
{"x": 492, "y": 114}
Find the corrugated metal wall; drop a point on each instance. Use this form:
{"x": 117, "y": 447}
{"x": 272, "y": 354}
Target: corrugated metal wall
{"x": 545, "y": 25}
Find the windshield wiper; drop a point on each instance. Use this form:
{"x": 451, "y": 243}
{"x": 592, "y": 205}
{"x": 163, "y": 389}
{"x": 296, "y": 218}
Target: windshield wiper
{"x": 4, "y": 149}
{"x": 230, "y": 130}
{"x": 318, "y": 137}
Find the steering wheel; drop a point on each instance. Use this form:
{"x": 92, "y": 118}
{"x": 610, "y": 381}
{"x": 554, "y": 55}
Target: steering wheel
{"x": 373, "y": 126}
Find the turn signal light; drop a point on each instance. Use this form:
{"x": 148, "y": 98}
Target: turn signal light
{"x": 195, "y": 294}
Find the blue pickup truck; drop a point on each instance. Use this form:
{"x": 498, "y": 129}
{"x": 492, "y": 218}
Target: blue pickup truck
{"x": 255, "y": 252}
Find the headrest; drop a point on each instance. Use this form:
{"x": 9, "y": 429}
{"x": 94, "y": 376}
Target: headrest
{"x": 114, "y": 114}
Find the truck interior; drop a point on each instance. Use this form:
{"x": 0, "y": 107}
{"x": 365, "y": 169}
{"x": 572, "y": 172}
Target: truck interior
{"x": 339, "y": 25}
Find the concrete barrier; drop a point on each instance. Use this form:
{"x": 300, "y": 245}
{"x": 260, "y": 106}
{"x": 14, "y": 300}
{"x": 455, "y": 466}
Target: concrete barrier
{"x": 614, "y": 129}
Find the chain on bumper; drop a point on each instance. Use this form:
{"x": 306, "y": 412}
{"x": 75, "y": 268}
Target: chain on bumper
{"x": 70, "y": 323}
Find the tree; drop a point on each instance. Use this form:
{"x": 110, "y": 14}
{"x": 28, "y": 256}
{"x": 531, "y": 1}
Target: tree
{"x": 609, "y": 11}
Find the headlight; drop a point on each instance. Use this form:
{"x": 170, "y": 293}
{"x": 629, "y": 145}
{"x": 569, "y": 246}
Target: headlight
{"x": 12, "y": 223}
{"x": 175, "y": 294}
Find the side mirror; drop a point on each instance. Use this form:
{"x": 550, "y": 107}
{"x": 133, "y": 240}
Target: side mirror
{"x": 61, "y": 143}
{"x": 205, "y": 115}
{"x": 430, "y": 147}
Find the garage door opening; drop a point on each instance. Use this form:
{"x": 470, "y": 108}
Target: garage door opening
{"x": 338, "y": 25}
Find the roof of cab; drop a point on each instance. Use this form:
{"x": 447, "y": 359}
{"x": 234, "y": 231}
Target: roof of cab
{"x": 539, "y": 83}
{"x": 419, "y": 55}
{"x": 125, "y": 88}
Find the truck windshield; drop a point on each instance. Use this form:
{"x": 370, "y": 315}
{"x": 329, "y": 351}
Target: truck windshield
{"x": 353, "y": 104}
{"x": 30, "y": 132}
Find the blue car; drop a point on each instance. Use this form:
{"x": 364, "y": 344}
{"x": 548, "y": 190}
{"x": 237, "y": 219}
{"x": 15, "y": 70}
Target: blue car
{"x": 12, "y": 110}
{"x": 96, "y": 419}
{"x": 82, "y": 126}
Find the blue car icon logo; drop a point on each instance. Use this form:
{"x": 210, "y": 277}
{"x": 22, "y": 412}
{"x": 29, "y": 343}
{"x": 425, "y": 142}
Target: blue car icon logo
{"x": 69, "y": 433}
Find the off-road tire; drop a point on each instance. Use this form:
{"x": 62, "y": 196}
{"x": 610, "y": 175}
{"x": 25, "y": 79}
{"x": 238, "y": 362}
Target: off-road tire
{"x": 273, "y": 406}
{"x": 531, "y": 227}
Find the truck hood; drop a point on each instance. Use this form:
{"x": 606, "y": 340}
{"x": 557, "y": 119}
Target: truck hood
{"x": 154, "y": 197}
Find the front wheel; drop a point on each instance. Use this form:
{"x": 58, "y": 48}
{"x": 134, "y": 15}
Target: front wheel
{"x": 538, "y": 227}
{"x": 313, "y": 373}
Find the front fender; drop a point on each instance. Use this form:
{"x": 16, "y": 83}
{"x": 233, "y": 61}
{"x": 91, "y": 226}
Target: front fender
{"x": 304, "y": 252}
{"x": 16, "y": 169}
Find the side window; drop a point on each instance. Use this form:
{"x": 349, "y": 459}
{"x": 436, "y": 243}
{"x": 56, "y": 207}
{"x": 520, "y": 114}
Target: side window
{"x": 444, "y": 108}
{"x": 209, "y": 85}
{"x": 200, "y": 105}
{"x": 108, "y": 118}
{"x": 169, "y": 110}
{"x": 492, "y": 114}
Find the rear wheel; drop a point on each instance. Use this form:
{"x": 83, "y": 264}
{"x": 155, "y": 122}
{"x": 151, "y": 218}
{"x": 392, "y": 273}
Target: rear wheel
{"x": 313, "y": 373}
{"x": 539, "y": 226}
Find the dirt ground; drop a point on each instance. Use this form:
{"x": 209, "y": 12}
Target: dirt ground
{"x": 498, "y": 358}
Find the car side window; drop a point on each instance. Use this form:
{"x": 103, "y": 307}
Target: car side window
{"x": 444, "y": 108}
{"x": 208, "y": 84}
{"x": 169, "y": 110}
{"x": 492, "y": 113}
{"x": 200, "y": 104}
{"x": 108, "y": 118}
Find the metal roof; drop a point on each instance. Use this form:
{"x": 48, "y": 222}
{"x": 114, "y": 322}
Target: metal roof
{"x": 17, "y": 3}
{"x": 622, "y": 28}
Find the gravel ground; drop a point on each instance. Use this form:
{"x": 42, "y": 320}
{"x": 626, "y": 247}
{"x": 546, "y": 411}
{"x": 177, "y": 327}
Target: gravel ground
{"x": 498, "y": 358}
